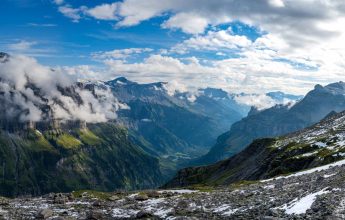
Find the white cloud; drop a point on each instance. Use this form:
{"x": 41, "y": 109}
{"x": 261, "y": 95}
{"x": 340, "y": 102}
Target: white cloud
{"x": 73, "y": 13}
{"x": 104, "y": 11}
{"x": 260, "y": 101}
{"x": 28, "y": 89}
{"x": 302, "y": 44}
{"x": 213, "y": 41}
{"x": 187, "y": 22}
{"x": 58, "y": 2}
{"x": 22, "y": 45}
{"x": 120, "y": 53}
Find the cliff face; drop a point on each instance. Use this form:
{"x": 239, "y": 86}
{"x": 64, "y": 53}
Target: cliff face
{"x": 59, "y": 160}
{"x": 320, "y": 144}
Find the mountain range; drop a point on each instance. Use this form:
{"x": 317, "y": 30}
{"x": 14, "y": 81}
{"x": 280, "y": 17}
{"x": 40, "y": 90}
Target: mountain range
{"x": 277, "y": 120}
{"x": 317, "y": 145}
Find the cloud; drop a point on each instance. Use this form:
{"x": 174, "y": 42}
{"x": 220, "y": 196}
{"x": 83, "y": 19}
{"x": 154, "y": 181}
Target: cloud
{"x": 104, "y": 12}
{"x": 120, "y": 53}
{"x": 22, "y": 45}
{"x": 30, "y": 91}
{"x": 41, "y": 25}
{"x": 187, "y": 22}
{"x": 74, "y": 13}
{"x": 58, "y": 2}
{"x": 299, "y": 44}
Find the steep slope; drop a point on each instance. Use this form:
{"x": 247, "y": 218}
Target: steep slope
{"x": 174, "y": 127}
{"x": 318, "y": 145}
{"x": 99, "y": 156}
{"x": 278, "y": 120}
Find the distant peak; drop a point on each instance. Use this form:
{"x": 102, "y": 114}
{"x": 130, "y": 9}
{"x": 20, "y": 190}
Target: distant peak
{"x": 4, "y": 57}
{"x": 337, "y": 88}
{"x": 120, "y": 81}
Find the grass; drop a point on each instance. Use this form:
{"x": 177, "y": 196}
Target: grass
{"x": 67, "y": 141}
{"x": 243, "y": 183}
{"x": 92, "y": 194}
{"x": 88, "y": 137}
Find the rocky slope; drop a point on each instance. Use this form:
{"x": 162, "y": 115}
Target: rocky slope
{"x": 278, "y": 120}
{"x": 313, "y": 194}
{"x": 264, "y": 158}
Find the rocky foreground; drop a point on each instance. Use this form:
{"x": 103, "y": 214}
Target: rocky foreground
{"x": 317, "y": 193}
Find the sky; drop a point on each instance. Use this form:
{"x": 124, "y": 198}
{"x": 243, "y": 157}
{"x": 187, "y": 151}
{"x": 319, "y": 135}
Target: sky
{"x": 238, "y": 45}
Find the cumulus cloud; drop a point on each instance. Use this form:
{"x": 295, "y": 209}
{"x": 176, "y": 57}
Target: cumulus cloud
{"x": 300, "y": 43}
{"x": 187, "y": 22}
{"x": 104, "y": 12}
{"x": 74, "y": 13}
{"x": 30, "y": 91}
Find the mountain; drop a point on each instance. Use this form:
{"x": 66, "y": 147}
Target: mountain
{"x": 175, "y": 127}
{"x": 283, "y": 97}
{"x": 98, "y": 156}
{"x": 277, "y": 120}
{"x": 60, "y": 135}
{"x": 318, "y": 145}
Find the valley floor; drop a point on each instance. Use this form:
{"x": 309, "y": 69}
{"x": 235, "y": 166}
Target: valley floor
{"x": 315, "y": 194}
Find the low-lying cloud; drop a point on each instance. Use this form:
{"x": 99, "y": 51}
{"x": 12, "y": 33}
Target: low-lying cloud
{"x": 33, "y": 92}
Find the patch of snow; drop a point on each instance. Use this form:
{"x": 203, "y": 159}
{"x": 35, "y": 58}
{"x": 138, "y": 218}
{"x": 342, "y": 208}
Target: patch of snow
{"x": 300, "y": 206}
{"x": 133, "y": 195}
{"x": 269, "y": 186}
{"x": 146, "y": 120}
{"x": 320, "y": 144}
{"x": 162, "y": 213}
{"x": 123, "y": 213}
{"x": 329, "y": 175}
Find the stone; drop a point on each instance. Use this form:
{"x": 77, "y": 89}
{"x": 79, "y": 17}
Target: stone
{"x": 44, "y": 214}
{"x": 143, "y": 214}
{"x": 141, "y": 197}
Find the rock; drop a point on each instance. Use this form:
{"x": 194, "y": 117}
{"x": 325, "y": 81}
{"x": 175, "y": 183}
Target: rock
{"x": 143, "y": 214}
{"x": 182, "y": 204}
{"x": 44, "y": 214}
{"x": 153, "y": 194}
{"x": 60, "y": 198}
{"x": 95, "y": 215}
{"x": 113, "y": 198}
{"x": 97, "y": 203}
{"x": 141, "y": 197}
{"x": 4, "y": 201}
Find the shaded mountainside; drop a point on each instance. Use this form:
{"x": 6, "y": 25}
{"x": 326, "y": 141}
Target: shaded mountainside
{"x": 278, "y": 120}
{"x": 174, "y": 127}
{"x": 60, "y": 160}
{"x": 320, "y": 144}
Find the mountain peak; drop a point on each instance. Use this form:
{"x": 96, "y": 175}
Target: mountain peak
{"x": 337, "y": 88}
{"x": 120, "y": 81}
{"x": 4, "y": 57}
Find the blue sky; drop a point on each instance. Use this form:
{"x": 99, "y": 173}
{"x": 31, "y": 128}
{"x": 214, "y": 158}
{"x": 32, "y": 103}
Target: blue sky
{"x": 235, "y": 45}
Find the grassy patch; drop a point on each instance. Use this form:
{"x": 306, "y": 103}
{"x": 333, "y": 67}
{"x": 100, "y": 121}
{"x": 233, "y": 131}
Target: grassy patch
{"x": 92, "y": 194}
{"x": 67, "y": 141}
{"x": 88, "y": 137}
{"x": 243, "y": 183}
